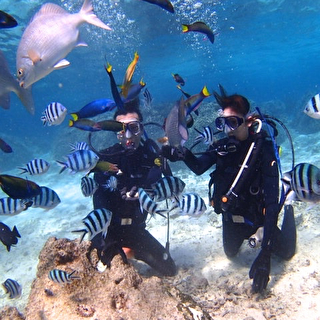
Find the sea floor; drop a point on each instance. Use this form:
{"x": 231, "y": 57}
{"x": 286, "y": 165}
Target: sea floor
{"x": 220, "y": 285}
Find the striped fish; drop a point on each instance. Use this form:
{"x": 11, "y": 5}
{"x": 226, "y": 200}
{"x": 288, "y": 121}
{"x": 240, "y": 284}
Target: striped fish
{"x": 313, "y": 106}
{"x": 47, "y": 199}
{"x": 60, "y": 276}
{"x": 36, "y": 166}
{"x": 96, "y": 221}
{"x": 302, "y": 183}
{"x": 54, "y": 114}
{"x": 9, "y": 206}
{"x": 13, "y": 288}
{"x": 167, "y": 187}
{"x": 80, "y": 160}
{"x": 88, "y": 186}
{"x": 147, "y": 204}
{"x": 79, "y": 146}
{"x": 192, "y": 204}
{"x": 206, "y": 136}
{"x": 111, "y": 184}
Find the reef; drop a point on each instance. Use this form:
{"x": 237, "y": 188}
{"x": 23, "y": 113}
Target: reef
{"x": 116, "y": 293}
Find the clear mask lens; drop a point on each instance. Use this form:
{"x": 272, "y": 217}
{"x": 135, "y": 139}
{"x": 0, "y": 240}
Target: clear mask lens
{"x": 233, "y": 122}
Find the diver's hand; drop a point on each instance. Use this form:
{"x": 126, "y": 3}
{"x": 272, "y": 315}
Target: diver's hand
{"x": 260, "y": 270}
{"x": 130, "y": 195}
{"x": 172, "y": 153}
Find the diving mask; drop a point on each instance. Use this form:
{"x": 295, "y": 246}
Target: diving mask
{"x": 130, "y": 136}
{"x": 233, "y": 122}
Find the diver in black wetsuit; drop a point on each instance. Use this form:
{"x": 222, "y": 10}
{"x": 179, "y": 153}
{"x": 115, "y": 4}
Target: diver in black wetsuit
{"x": 247, "y": 199}
{"x": 136, "y": 161}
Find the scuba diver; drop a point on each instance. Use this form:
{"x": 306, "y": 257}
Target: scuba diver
{"x": 246, "y": 185}
{"x": 136, "y": 160}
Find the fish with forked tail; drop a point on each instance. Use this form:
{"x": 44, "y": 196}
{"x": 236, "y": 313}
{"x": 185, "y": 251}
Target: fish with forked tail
{"x": 8, "y": 237}
{"x": 50, "y": 36}
{"x": 9, "y": 84}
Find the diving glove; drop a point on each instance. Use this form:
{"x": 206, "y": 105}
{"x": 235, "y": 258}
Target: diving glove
{"x": 172, "y": 153}
{"x": 260, "y": 270}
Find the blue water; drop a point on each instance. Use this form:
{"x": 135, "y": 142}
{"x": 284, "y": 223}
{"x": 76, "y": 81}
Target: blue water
{"x": 265, "y": 50}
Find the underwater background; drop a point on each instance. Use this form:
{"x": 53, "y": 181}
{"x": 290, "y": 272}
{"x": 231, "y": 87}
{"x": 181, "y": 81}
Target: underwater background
{"x": 266, "y": 50}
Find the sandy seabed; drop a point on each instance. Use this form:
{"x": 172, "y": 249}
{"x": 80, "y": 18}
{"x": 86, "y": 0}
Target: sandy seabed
{"x": 221, "y": 286}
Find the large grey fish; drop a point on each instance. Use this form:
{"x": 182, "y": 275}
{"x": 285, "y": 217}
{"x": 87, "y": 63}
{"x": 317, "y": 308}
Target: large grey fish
{"x": 50, "y": 36}
{"x": 9, "y": 84}
{"x": 176, "y": 125}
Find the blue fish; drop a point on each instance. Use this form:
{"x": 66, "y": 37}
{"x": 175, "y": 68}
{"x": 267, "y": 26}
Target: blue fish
{"x": 134, "y": 91}
{"x": 94, "y": 108}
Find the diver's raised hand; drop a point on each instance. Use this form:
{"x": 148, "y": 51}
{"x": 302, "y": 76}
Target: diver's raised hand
{"x": 260, "y": 270}
{"x": 129, "y": 195}
{"x": 172, "y": 153}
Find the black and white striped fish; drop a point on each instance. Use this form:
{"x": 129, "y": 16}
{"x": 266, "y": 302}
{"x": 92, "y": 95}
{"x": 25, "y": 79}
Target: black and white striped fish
{"x": 111, "y": 183}
{"x": 13, "y": 288}
{"x": 47, "y": 199}
{"x": 206, "y": 136}
{"x": 54, "y": 114}
{"x": 9, "y": 206}
{"x": 88, "y": 186}
{"x": 302, "y": 183}
{"x": 60, "y": 276}
{"x": 312, "y": 109}
{"x": 36, "y": 166}
{"x": 79, "y": 146}
{"x": 167, "y": 187}
{"x": 192, "y": 204}
{"x": 96, "y": 221}
{"x": 147, "y": 98}
{"x": 147, "y": 204}
{"x": 80, "y": 160}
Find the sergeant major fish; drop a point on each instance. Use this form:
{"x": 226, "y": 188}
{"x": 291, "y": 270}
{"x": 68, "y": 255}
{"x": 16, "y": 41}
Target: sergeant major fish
{"x": 167, "y": 187}
{"x": 51, "y": 34}
{"x": 88, "y": 186}
{"x": 13, "y": 288}
{"x": 36, "y": 166}
{"x": 54, "y": 114}
{"x": 302, "y": 183}
{"x": 80, "y": 160}
{"x": 96, "y": 221}
{"x": 47, "y": 199}
{"x": 192, "y": 204}
{"x": 60, "y": 276}
{"x": 313, "y": 106}
{"x": 9, "y": 206}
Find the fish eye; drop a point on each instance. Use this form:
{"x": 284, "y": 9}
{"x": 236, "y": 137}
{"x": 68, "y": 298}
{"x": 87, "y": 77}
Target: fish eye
{"x": 20, "y": 72}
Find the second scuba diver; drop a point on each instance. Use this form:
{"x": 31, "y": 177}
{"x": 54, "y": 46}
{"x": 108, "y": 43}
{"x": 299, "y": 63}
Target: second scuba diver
{"x": 245, "y": 186}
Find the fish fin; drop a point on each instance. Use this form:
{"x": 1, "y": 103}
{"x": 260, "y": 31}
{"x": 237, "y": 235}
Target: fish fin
{"x": 184, "y": 132}
{"x": 74, "y": 116}
{"x": 81, "y": 44}
{"x": 24, "y": 170}
{"x": 50, "y": 8}
{"x": 84, "y": 233}
{"x": 62, "y": 64}
{"x": 8, "y": 247}
{"x": 25, "y": 96}
{"x": 5, "y": 100}
{"x": 63, "y": 164}
{"x": 71, "y": 276}
{"x": 16, "y": 232}
{"x": 108, "y": 67}
{"x": 87, "y": 15}
{"x": 185, "y": 28}
{"x": 205, "y": 91}
{"x": 34, "y": 56}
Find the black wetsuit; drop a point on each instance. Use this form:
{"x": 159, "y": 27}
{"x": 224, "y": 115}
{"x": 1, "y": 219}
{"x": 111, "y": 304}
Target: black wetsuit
{"x": 128, "y": 223}
{"x": 257, "y": 201}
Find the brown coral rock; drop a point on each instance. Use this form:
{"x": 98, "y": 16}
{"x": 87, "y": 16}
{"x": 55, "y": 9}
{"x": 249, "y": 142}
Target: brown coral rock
{"x": 11, "y": 313}
{"x": 117, "y": 293}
